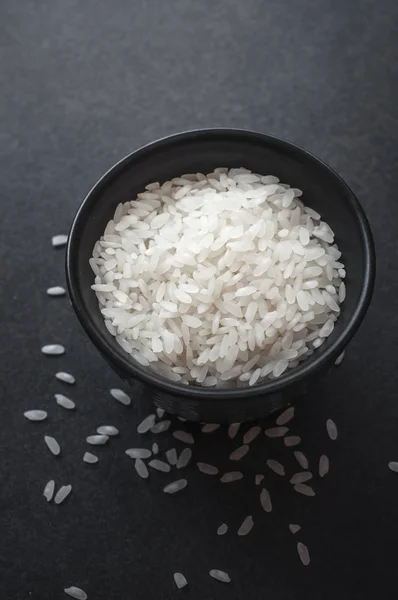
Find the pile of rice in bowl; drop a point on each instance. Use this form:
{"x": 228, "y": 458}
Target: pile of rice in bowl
{"x": 218, "y": 280}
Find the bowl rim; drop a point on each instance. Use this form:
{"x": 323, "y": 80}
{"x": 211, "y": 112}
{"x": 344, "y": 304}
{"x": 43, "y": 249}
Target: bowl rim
{"x": 319, "y": 359}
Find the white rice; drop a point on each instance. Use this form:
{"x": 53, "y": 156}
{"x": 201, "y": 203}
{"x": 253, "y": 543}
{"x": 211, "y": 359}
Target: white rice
{"x": 393, "y": 466}
{"x": 251, "y": 434}
{"x": 90, "y": 458}
{"x": 294, "y": 528}
{"x": 210, "y": 427}
{"x": 300, "y": 477}
{"x": 62, "y": 494}
{"x": 301, "y": 459}
{"x": 233, "y": 430}
{"x": 155, "y": 448}
{"x": 246, "y": 526}
{"x": 56, "y": 291}
{"x": 304, "y": 489}
{"x": 49, "y": 489}
{"x": 265, "y": 500}
{"x": 64, "y": 401}
{"x": 274, "y": 432}
{"x": 35, "y": 415}
{"x": 207, "y": 469}
{"x": 97, "y": 440}
{"x": 220, "y": 575}
{"x": 171, "y": 456}
{"x": 222, "y": 530}
{"x": 180, "y": 580}
{"x": 303, "y": 554}
{"x": 292, "y": 440}
{"x": 141, "y": 468}
{"x": 276, "y": 467}
{"x": 107, "y": 430}
{"x": 65, "y": 377}
{"x": 176, "y": 486}
{"x": 53, "y": 349}
{"x": 183, "y": 436}
{"x": 231, "y": 476}
{"x": 323, "y": 465}
{"x": 184, "y": 458}
{"x": 286, "y": 416}
{"x": 146, "y": 424}
{"x": 258, "y": 479}
{"x": 159, "y": 465}
{"x": 76, "y": 593}
{"x": 239, "y": 452}
{"x": 121, "y": 396}
{"x": 211, "y": 283}
{"x": 138, "y": 453}
{"x": 160, "y": 427}
{"x": 59, "y": 240}
{"x": 52, "y": 445}
{"x": 331, "y": 429}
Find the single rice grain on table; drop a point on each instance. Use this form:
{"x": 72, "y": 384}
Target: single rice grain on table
{"x": 234, "y": 279}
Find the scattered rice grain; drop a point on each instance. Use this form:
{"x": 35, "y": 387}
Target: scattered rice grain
{"x": 48, "y": 491}
{"x": 35, "y": 415}
{"x": 246, "y": 526}
{"x": 62, "y": 494}
{"x": 52, "y": 445}
{"x": 53, "y": 350}
{"x": 176, "y": 486}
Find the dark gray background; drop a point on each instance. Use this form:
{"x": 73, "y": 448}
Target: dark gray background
{"x": 82, "y": 84}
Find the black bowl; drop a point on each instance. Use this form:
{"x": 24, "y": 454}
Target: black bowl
{"x": 203, "y": 151}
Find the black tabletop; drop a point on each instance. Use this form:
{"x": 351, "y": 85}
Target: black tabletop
{"x": 82, "y": 84}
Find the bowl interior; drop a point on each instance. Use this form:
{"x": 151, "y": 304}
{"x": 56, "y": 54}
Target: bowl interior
{"x": 203, "y": 151}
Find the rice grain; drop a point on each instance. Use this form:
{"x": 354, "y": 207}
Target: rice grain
{"x": 56, "y": 291}
{"x": 303, "y": 554}
{"x": 35, "y": 415}
{"x": 141, "y": 468}
{"x": 180, "y": 580}
{"x": 176, "y": 486}
{"x": 184, "y": 458}
{"x": 222, "y": 530}
{"x": 120, "y": 396}
{"x": 239, "y": 452}
{"x": 276, "y": 467}
{"x": 52, "y": 445}
{"x": 65, "y": 377}
{"x": 76, "y": 593}
{"x": 231, "y": 476}
{"x": 64, "y": 401}
{"x": 304, "y": 489}
{"x": 331, "y": 429}
{"x": 301, "y": 459}
{"x": 246, "y": 526}
{"x": 265, "y": 500}
{"x": 275, "y": 432}
{"x": 183, "y": 436}
{"x": 48, "y": 491}
{"x": 62, "y": 494}
{"x": 97, "y": 440}
{"x": 146, "y": 424}
{"x": 90, "y": 458}
{"x": 53, "y": 350}
{"x": 159, "y": 465}
{"x": 286, "y": 416}
{"x": 251, "y": 434}
{"x": 323, "y": 465}
{"x": 220, "y": 576}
